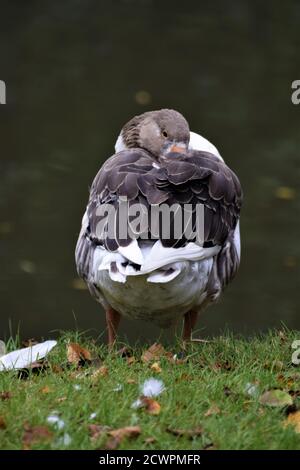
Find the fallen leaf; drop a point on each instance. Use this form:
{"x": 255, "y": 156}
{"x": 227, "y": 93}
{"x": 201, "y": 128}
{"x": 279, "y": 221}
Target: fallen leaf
{"x": 78, "y": 284}
{"x": 276, "y": 398}
{"x": 213, "y": 410}
{"x": 96, "y": 431}
{"x": 156, "y": 367}
{"x": 117, "y": 436}
{"x": 5, "y": 395}
{"x": 77, "y": 355}
{"x": 130, "y": 360}
{"x": 34, "y": 435}
{"x": 131, "y": 381}
{"x": 2, "y": 423}
{"x": 293, "y": 419}
{"x": 45, "y": 389}
{"x": 189, "y": 433}
{"x": 101, "y": 372}
{"x": 150, "y": 440}
{"x": 151, "y": 406}
{"x": 155, "y": 352}
{"x": 285, "y": 193}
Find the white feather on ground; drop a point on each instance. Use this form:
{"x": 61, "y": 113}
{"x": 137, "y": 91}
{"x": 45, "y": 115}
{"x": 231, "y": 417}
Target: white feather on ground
{"x": 22, "y": 358}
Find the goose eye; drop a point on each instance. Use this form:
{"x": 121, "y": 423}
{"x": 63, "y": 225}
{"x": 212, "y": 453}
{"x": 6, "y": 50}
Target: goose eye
{"x": 165, "y": 134}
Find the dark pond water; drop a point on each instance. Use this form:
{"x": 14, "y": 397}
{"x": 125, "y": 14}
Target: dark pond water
{"x": 74, "y": 71}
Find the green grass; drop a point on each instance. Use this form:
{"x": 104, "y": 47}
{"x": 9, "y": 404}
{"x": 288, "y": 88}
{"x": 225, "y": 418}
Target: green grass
{"x": 226, "y": 363}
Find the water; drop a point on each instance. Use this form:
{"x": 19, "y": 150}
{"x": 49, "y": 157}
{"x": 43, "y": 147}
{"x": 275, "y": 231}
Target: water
{"x": 73, "y": 72}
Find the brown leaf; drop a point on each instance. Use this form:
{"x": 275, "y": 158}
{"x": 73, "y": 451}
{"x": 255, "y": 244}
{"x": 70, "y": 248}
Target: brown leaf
{"x": 119, "y": 435}
{"x": 150, "y": 440}
{"x": 131, "y": 381}
{"x": 130, "y": 360}
{"x": 77, "y": 355}
{"x": 5, "y": 395}
{"x": 2, "y": 423}
{"x": 34, "y": 435}
{"x": 156, "y": 367}
{"x": 151, "y": 406}
{"x": 45, "y": 389}
{"x": 101, "y": 372}
{"x": 189, "y": 433}
{"x": 96, "y": 431}
{"x": 293, "y": 419}
{"x": 213, "y": 410}
{"x": 154, "y": 353}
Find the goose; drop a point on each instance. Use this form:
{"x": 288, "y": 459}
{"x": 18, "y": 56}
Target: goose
{"x": 159, "y": 163}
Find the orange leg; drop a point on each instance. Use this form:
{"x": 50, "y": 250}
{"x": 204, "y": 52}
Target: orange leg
{"x": 190, "y": 320}
{"x": 112, "y": 320}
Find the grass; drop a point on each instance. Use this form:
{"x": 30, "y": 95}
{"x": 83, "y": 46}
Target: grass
{"x": 213, "y": 376}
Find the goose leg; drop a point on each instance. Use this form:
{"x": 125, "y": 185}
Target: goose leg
{"x": 112, "y": 320}
{"x": 190, "y": 320}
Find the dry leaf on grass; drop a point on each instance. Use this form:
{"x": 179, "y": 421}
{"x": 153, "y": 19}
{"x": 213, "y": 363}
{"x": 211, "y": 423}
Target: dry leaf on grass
{"x": 276, "y": 398}
{"x": 131, "y": 381}
{"x": 117, "y": 436}
{"x": 150, "y": 440}
{"x": 5, "y": 395}
{"x": 130, "y": 360}
{"x": 213, "y": 410}
{"x": 45, "y": 389}
{"x": 151, "y": 406}
{"x": 34, "y": 435}
{"x": 189, "y": 433}
{"x": 2, "y": 423}
{"x": 77, "y": 355}
{"x": 96, "y": 431}
{"x": 293, "y": 419}
{"x": 155, "y": 352}
{"x": 156, "y": 367}
{"x": 101, "y": 372}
